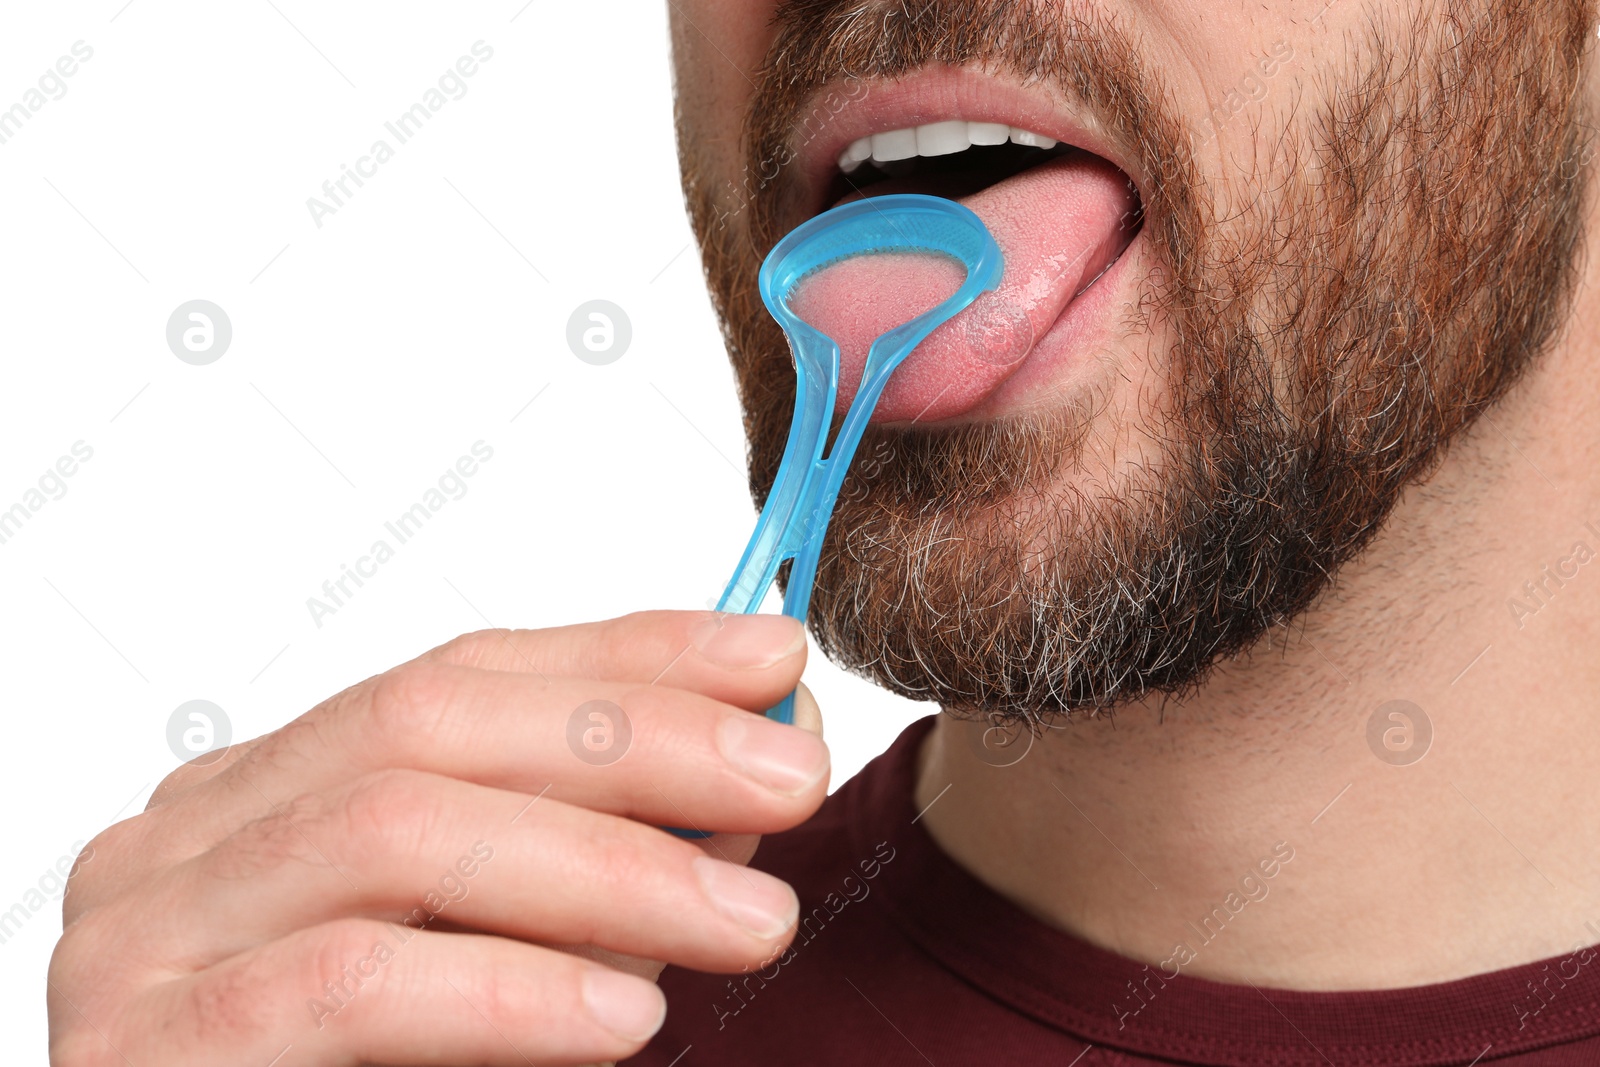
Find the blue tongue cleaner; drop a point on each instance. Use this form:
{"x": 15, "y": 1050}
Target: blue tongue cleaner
{"x": 795, "y": 518}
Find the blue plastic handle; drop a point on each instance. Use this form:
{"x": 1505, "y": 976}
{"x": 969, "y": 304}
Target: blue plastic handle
{"x": 795, "y": 519}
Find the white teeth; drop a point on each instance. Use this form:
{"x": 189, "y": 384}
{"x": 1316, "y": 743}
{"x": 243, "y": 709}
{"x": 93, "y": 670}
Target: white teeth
{"x": 935, "y": 139}
{"x": 896, "y": 144}
{"x": 988, "y": 133}
{"x": 942, "y": 138}
{"x": 858, "y": 153}
{"x": 1031, "y": 140}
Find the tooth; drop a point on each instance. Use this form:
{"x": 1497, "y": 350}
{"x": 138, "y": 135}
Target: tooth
{"x": 1030, "y": 139}
{"x": 942, "y": 138}
{"x": 859, "y": 151}
{"x": 988, "y": 133}
{"x": 893, "y": 145}
{"x": 848, "y": 165}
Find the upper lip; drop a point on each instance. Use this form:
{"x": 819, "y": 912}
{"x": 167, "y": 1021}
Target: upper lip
{"x": 933, "y": 95}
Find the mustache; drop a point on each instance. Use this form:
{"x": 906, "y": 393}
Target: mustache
{"x": 1080, "y": 53}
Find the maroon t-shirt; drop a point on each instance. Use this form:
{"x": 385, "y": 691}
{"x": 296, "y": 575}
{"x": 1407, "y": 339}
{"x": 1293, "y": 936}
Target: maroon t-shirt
{"x": 903, "y": 958}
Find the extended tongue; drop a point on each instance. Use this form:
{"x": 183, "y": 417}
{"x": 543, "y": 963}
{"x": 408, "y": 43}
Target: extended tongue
{"x": 1059, "y": 224}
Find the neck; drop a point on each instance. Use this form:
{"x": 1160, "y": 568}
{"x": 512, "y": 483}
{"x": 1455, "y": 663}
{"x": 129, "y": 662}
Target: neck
{"x": 1151, "y": 834}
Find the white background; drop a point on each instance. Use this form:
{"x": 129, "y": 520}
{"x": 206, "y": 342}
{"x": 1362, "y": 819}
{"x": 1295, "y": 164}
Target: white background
{"x": 367, "y": 356}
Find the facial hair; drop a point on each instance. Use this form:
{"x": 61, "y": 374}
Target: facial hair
{"x": 1332, "y": 320}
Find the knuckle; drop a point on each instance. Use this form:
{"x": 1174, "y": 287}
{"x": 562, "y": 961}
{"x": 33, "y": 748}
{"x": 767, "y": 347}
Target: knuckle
{"x": 87, "y": 878}
{"x": 181, "y": 778}
{"x": 85, "y": 971}
{"x": 625, "y": 637}
{"x": 612, "y": 860}
{"x": 340, "y": 954}
{"x": 202, "y": 768}
{"x": 675, "y": 627}
{"x": 410, "y": 703}
{"x": 468, "y": 649}
{"x": 346, "y": 965}
{"x": 505, "y": 997}
{"x": 612, "y": 865}
{"x": 390, "y": 811}
{"x": 231, "y": 1003}
{"x": 80, "y": 943}
{"x": 108, "y": 866}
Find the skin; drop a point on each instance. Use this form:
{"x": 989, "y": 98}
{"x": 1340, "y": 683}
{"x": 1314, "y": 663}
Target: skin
{"x": 1405, "y": 880}
{"x": 204, "y": 929}
{"x": 1125, "y": 828}
{"x": 200, "y": 929}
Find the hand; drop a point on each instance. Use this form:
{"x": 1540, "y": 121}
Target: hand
{"x": 424, "y": 870}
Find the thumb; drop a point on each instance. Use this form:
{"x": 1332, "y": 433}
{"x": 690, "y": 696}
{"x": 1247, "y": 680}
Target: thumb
{"x": 807, "y": 715}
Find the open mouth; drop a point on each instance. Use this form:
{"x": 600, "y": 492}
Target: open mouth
{"x": 1063, "y": 214}
{"x": 958, "y": 156}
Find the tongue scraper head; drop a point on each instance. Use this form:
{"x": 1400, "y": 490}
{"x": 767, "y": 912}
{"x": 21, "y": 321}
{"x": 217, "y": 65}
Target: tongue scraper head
{"x": 795, "y": 519}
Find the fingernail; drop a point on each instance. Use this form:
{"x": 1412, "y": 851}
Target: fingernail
{"x": 783, "y": 758}
{"x": 749, "y": 642}
{"x": 629, "y": 1007}
{"x": 807, "y": 715}
{"x": 756, "y": 901}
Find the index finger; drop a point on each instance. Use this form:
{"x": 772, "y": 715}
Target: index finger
{"x": 737, "y": 659}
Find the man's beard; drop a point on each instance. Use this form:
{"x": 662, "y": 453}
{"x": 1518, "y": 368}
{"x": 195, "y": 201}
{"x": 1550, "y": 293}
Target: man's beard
{"x": 1359, "y": 300}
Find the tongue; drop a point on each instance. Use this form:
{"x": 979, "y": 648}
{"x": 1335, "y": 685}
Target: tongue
{"x": 1060, "y": 224}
